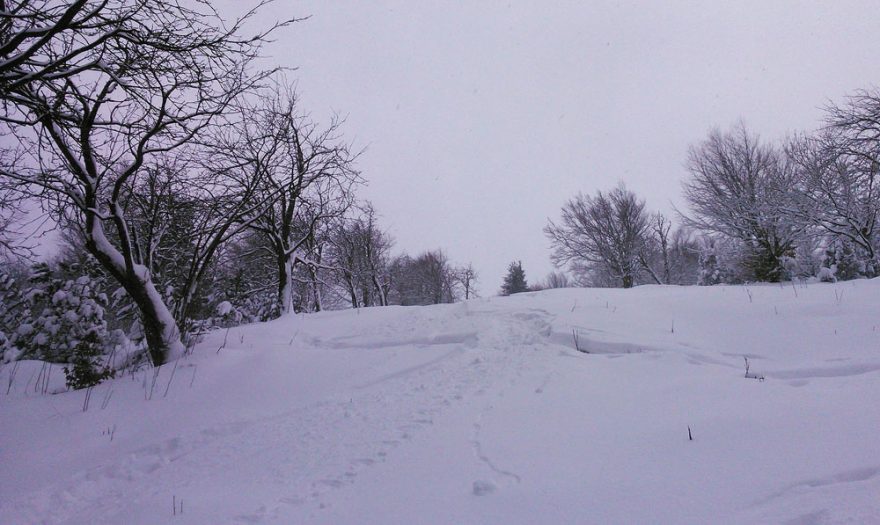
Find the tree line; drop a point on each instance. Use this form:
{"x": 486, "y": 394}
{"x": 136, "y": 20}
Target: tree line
{"x": 758, "y": 211}
{"x": 190, "y": 187}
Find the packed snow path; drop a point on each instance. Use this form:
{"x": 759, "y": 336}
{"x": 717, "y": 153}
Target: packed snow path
{"x": 479, "y": 412}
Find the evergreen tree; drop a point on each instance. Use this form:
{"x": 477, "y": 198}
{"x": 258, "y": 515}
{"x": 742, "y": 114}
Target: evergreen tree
{"x": 515, "y": 280}
{"x": 844, "y": 262}
{"x": 62, "y": 321}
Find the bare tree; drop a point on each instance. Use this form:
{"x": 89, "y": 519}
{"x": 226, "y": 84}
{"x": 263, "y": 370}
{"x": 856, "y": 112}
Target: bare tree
{"x": 316, "y": 277}
{"x": 607, "y": 231}
{"x": 222, "y": 197}
{"x": 660, "y": 230}
{"x": 93, "y": 90}
{"x": 423, "y": 280}
{"x": 557, "y": 280}
{"x": 740, "y": 188}
{"x": 838, "y": 170}
{"x": 244, "y": 274}
{"x": 466, "y": 277}
{"x": 435, "y": 276}
{"x": 346, "y": 258}
{"x": 376, "y": 247}
{"x": 360, "y": 256}
{"x": 306, "y": 170}
{"x": 684, "y": 257}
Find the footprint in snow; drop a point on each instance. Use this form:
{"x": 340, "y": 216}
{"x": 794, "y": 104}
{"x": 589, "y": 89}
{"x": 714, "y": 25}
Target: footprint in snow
{"x": 483, "y": 487}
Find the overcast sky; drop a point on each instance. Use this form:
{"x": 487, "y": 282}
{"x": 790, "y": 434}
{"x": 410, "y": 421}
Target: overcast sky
{"x": 481, "y": 119}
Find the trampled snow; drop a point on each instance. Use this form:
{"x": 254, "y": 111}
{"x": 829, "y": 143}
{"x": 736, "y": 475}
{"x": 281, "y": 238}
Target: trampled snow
{"x": 478, "y": 412}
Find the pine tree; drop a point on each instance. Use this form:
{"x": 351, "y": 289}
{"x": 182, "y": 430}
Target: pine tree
{"x": 515, "y": 280}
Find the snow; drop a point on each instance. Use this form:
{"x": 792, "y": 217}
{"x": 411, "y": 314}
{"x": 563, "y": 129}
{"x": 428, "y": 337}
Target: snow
{"x": 59, "y": 296}
{"x": 478, "y": 412}
{"x": 224, "y": 308}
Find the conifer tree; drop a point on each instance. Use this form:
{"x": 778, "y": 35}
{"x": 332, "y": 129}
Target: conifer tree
{"x": 515, "y": 280}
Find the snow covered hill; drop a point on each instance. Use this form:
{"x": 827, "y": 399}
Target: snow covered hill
{"x": 478, "y": 412}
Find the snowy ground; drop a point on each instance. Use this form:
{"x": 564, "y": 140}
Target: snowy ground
{"x": 480, "y": 412}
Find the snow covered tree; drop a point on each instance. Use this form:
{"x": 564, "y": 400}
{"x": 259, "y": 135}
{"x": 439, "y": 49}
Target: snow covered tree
{"x": 245, "y": 276}
{"x": 608, "y": 232}
{"x": 670, "y": 256}
{"x": 684, "y": 256}
{"x": 740, "y": 188}
{"x": 842, "y": 262}
{"x": 221, "y": 198}
{"x": 837, "y": 178}
{"x": 514, "y": 280}
{"x": 91, "y": 91}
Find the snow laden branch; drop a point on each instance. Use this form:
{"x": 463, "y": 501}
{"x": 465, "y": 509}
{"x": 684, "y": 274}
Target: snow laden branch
{"x": 93, "y": 92}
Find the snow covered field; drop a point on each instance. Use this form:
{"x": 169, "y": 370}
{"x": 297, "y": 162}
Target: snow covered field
{"x": 479, "y": 412}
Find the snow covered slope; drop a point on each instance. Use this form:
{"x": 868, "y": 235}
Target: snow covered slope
{"x": 480, "y": 412}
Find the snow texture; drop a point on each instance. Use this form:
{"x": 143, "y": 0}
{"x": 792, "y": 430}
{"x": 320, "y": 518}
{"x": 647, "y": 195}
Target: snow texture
{"x": 478, "y": 412}
{"x": 224, "y": 308}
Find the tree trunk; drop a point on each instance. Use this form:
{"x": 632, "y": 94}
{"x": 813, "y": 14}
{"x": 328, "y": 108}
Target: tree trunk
{"x": 285, "y": 285}
{"x": 366, "y": 296}
{"x": 650, "y": 271}
{"x": 352, "y": 291}
{"x": 380, "y": 292}
{"x": 316, "y": 290}
{"x": 160, "y": 328}
{"x": 667, "y": 271}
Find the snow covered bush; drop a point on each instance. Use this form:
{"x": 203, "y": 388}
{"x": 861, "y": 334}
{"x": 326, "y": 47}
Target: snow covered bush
{"x": 826, "y": 275}
{"x": 808, "y": 259}
{"x": 844, "y": 261}
{"x": 62, "y": 321}
{"x": 717, "y": 263}
{"x": 227, "y": 315}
